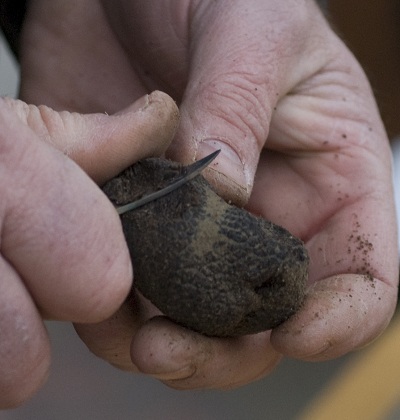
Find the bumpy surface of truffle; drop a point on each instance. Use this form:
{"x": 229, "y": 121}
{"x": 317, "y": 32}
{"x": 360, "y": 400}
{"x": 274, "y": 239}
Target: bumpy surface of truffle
{"x": 207, "y": 265}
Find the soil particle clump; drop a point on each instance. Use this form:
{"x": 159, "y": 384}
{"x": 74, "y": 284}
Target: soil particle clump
{"x": 207, "y": 265}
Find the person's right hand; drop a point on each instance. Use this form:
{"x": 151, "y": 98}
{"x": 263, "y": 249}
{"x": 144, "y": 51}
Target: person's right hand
{"x": 63, "y": 255}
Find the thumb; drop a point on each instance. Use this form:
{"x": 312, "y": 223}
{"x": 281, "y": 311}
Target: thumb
{"x": 239, "y": 71}
{"x": 101, "y": 144}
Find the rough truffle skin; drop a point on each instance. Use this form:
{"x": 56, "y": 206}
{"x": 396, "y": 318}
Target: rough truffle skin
{"x": 207, "y": 265}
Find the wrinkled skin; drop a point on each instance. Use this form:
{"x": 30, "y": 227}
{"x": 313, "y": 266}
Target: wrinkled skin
{"x": 303, "y": 145}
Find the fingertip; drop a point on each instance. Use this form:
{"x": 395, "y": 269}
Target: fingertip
{"x": 230, "y": 176}
{"x": 340, "y": 314}
{"x": 163, "y": 350}
{"x": 184, "y": 359}
{"x": 74, "y": 260}
{"x": 144, "y": 129}
{"x": 104, "y": 145}
{"x": 96, "y": 275}
{"x": 209, "y": 124}
{"x": 111, "y": 339}
{"x": 109, "y": 289}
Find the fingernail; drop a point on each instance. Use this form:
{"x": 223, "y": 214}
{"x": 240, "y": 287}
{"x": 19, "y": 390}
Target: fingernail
{"x": 183, "y": 373}
{"x": 140, "y": 103}
{"x": 229, "y": 167}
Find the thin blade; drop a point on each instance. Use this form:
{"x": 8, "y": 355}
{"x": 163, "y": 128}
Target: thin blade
{"x": 188, "y": 173}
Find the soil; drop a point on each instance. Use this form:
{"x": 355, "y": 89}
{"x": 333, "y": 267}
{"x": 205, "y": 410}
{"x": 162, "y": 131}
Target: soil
{"x": 207, "y": 265}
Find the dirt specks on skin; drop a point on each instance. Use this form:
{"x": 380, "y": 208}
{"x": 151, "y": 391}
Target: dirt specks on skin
{"x": 360, "y": 248}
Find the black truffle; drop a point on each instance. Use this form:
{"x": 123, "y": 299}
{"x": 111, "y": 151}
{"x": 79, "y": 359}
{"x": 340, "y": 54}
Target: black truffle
{"x": 205, "y": 264}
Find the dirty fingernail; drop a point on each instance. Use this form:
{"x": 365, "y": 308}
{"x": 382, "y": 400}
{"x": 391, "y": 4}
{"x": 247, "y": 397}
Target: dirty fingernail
{"x": 140, "y": 103}
{"x": 183, "y": 373}
{"x": 228, "y": 168}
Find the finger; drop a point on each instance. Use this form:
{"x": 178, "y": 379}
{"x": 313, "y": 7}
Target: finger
{"x": 341, "y": 313}
{"x": 104, "y": 145}
{"x": 238, "y": 73}
{"x": 24, "y": 345}
{"x": 179, "y": 357}
{"x": 59, "y": 231}
{"x": 111, "y": 339}
{"x": 184, "y": 359}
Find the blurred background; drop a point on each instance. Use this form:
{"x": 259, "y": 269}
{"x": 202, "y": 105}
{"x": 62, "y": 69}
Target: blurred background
{"x": 364, "y": 385}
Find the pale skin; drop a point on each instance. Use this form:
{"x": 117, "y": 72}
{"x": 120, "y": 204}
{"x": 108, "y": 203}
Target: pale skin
{"x": 302, "y": 145}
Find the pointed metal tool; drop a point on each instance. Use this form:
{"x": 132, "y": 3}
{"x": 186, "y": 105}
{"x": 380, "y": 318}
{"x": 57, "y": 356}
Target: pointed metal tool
{"x": 187, "y": 173}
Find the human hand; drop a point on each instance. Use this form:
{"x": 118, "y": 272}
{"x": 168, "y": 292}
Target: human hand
{"x": 271, "y": 85}
{"x": 63, "y": 253}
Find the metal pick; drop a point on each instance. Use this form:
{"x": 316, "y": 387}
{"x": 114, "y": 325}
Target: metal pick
{"x": 187, "y": 173}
